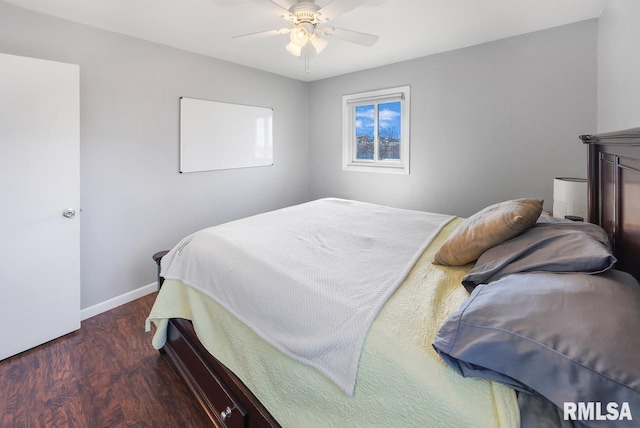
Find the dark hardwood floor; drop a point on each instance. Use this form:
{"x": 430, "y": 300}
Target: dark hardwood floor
{"x": 105, "y": 375}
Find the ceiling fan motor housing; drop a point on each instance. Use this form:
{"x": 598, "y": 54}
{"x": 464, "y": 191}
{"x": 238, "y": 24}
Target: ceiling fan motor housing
{"x": 305, "y": 11}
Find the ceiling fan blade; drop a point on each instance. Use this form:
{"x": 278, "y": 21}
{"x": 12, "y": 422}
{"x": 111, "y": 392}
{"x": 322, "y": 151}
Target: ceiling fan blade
{"x": 280, "y": 6}
{"x": 285, "y": 4}
{"x": 262, "y": 34}
{"x": 351, "y": 36}
{"x": 338, "y": 7}
{"x": 225, "y": 3}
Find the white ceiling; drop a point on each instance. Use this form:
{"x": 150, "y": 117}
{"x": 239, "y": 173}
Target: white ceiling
{"x": 406, "y": 28}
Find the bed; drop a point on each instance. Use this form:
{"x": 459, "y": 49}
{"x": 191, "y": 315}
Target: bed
{"x": 614, "y": 195}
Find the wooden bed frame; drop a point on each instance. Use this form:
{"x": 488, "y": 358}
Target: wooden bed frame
{"x": 614, "y": 203}
{"x": 614, "y": 192}
{"x": 224, "y": 398}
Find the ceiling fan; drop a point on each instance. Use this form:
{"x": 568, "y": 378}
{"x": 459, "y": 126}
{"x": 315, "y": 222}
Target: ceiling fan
{"x": 309, "y": 25}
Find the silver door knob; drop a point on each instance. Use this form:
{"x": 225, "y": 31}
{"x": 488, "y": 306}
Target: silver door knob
{"x": 69, "y": 213}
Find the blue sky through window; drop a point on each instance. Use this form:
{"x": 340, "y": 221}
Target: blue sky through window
{"x": 365, "y": 116}
{"x": 389, "y": 120}
{"x": 365, "y": 136}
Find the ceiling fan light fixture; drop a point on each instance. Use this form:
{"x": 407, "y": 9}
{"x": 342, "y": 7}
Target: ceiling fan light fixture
{"x": 294, "y": 49}
{"x": 309, "y": 27}
{"x": 318, "y": 43}
{"x": 299, "y": 36}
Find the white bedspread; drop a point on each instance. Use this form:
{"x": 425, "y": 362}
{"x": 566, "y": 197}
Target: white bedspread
{"x": 309, "y": 279}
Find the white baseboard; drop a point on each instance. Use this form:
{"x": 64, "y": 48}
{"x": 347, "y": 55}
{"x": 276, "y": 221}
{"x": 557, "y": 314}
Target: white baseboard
{"x": 117, "y": 301}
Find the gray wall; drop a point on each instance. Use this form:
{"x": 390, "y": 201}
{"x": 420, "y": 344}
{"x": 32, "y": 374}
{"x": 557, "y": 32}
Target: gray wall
{"x": 619, "y": 66}
{"x": 134, "y": 201}
{"x": 488, "y": 123}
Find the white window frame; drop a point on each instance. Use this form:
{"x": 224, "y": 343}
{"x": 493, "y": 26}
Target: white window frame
{"x": 349, "y": 138}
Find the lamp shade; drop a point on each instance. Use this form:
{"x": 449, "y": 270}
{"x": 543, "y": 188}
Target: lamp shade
{"x": 318, "y": 43}
{"x": 569, "y": 197}
{"x": 294, "y": 50}
{"x": 299, "y": 36}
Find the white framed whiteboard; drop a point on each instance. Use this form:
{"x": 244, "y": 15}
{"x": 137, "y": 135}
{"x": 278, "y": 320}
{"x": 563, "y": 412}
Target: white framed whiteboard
{"x": 216, "y": 135}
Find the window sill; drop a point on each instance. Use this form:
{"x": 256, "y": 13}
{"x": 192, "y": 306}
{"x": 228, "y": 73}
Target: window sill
{"x": 377, "y": 168}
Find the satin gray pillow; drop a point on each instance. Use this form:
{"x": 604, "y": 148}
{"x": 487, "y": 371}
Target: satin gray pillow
{"x": 570, "y": 337}
{"x": 560, "y": 247}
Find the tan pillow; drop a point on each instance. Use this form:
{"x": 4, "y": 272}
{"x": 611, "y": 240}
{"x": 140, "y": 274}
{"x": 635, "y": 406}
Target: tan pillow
{"x": 488, "y": 228}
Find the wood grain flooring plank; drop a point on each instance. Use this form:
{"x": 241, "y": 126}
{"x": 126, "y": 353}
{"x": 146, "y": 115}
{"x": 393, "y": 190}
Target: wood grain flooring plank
{"x": 62, "y": 404}
{"x": 107, "y": 374}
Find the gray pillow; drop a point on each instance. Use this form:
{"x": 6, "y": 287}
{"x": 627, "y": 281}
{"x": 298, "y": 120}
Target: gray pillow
{"x": 570, "y": 338}
{"x": 559, "y": 247}
{"x": 546, "y": 218}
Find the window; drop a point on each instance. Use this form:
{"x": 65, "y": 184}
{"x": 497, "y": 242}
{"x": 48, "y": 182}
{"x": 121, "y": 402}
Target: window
{"x": 375, "y": 129}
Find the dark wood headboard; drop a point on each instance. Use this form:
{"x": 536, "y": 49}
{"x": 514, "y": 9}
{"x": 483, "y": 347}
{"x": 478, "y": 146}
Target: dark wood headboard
{"x": 614, "y": 192}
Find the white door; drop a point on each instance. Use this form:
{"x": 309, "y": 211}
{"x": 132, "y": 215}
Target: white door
{"x": 39, "y": 180}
